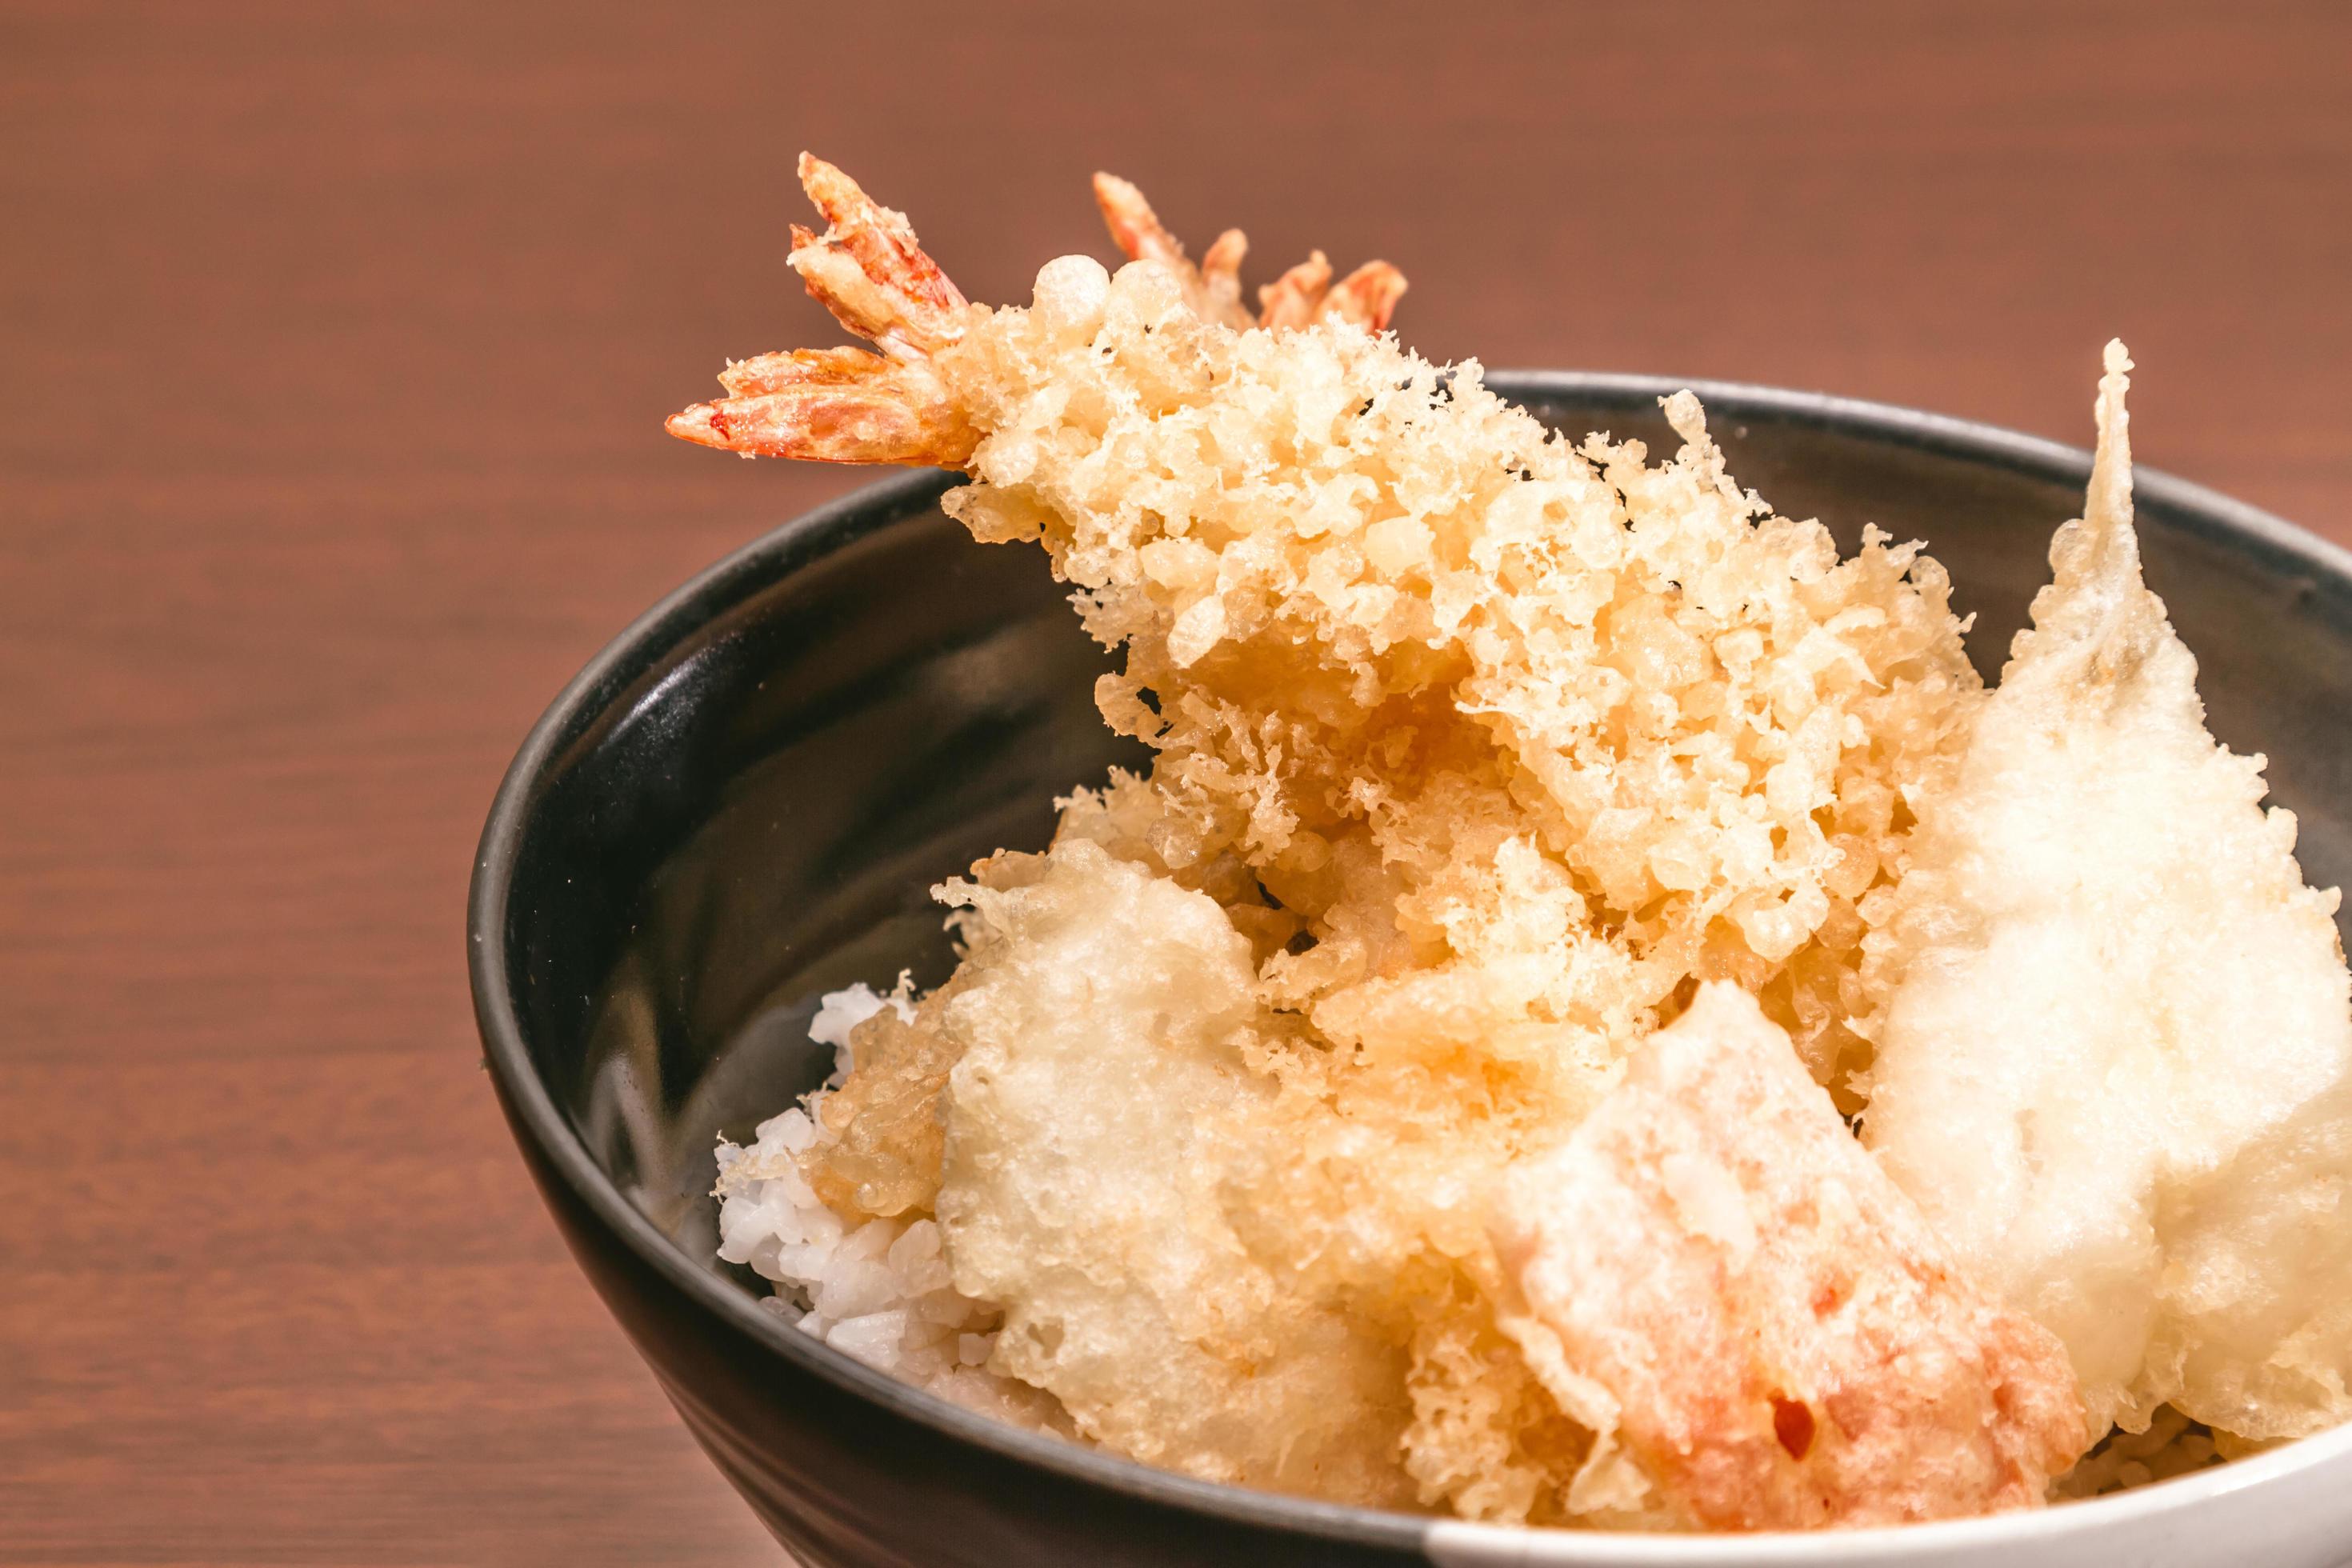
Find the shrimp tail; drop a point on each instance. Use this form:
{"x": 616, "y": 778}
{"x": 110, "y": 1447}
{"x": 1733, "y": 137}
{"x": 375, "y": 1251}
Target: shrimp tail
{"x": 833, "y": 405}
{"x": 851, "y": 405}
{"x": 869, "y": 271}
{"x": 1135, "y": 229}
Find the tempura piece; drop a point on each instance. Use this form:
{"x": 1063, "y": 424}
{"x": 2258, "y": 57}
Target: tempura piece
{"x": 2115, "y": 1058}
{"x": 1733, "y": 1292}
{"x": 1103, "y": 1016}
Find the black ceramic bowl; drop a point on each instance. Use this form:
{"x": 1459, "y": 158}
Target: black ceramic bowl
{"x": 740, "y": 804}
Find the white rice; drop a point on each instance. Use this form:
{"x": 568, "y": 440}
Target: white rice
{"x": 2172, "y": 1446}
{"x": 881, "y": 1289}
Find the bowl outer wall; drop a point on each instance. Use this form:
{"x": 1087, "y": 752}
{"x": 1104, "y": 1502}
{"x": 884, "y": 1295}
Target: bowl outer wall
{"x": 849, "y": 1466}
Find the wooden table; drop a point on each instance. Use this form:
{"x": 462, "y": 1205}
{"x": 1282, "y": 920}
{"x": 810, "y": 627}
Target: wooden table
{"x": 336, "y": 344}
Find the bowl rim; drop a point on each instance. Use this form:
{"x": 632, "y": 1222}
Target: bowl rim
{"x": 2275, "y": 545}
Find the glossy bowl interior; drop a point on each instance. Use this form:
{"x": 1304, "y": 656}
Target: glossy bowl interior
{"x": 741, "y": 804}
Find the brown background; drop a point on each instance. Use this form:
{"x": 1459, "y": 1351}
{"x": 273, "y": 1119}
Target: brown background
{"x": 332, "y": 353}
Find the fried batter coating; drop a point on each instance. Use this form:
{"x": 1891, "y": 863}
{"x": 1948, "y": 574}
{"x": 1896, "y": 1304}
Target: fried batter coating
{"x": 1371, "y": 599}
{"x": 1744, "y": 1302}
{"x": 2115, "y": 1057}
{"x": 1104, "y": 1016}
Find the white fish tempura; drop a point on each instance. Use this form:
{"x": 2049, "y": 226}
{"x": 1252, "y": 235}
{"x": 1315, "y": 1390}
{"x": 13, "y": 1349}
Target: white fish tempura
{"x": 1721, "y": 1280}
{"x": 1100, "y": 1097}
{"x": 2115, "y": 1060}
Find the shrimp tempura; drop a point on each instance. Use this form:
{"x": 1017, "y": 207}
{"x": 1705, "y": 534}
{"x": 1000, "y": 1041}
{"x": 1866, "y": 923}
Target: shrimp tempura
{"x": 1719, "y": 1276}
{"x": 1488, "y": 745}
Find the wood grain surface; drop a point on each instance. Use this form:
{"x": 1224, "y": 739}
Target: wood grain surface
{"x": 334, "y": 347}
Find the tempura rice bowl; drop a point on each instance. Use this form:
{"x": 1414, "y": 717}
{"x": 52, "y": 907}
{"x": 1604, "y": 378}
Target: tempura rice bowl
{"x": 738, "y": 805}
